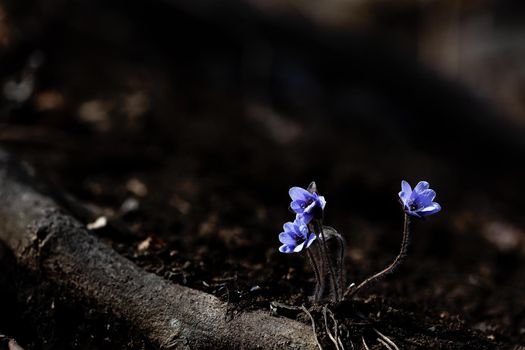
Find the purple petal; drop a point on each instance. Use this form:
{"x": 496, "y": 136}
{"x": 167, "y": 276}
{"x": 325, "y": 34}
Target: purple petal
{"x": 288, "y": 227}
{"x": 421, "y": 186}
{"x": 425, "y": 198}
{"x": 305, "y": 217}
{"x": 404, "y": 197}
{"x": 303, "y": 229}
{"x": 297, "y": 206}
{"x": 298, "y": 248}
{"x": 405, "y": 187}
{"x": 310, "y": 207}
{"x": 299, "y": 219}
{"x": 431, "y": 209}
{"x": 299, "y": 194}
{"x": 285, "y": 249}
{"x": 310, "y": 240}
{"x": 285, "y": 238}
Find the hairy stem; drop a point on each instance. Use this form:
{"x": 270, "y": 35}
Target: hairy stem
{"x": 390, "y": 268}
{"x": 341, "y": 263}
{"x": 317, "y": 275}
{"x": 324, "y": 253}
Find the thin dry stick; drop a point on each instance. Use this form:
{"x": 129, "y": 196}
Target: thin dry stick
{"x": 385, "y": 344}
{"x": 317, "y": 275}
{"x": 313, "y": 326}
{"x": 387, "y": 339}
{"x": 341, "y": 343}
{"x": 336, "y": 330}
{"x": 364, "y": 343}
{"x": 332, "y": 338}
{"x": 391, "y": 268}
{"x": 324, "y": 249}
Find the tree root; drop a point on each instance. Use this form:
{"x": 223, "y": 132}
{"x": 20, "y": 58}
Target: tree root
{"x": 9, "y": 343}
{"x": 57, "y": 248}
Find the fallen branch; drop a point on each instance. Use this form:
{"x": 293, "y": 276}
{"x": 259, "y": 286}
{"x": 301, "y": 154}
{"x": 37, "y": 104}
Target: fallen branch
{"x": 56, "y": 247}
{"x": 9, "y": 343}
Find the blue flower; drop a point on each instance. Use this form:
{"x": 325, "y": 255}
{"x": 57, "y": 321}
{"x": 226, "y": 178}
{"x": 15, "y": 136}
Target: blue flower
{"x": 306, "y": 203}
{"x": 295, "y": 237}
{"x": 418, "y": 202}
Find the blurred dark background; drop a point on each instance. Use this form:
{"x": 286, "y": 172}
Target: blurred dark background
{"x": 187, "y": 122}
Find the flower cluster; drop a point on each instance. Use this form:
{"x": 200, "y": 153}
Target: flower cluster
{"x": 295, "y": 237}
{"x": 327, "y": 258}
{"x": 307, "y": 204}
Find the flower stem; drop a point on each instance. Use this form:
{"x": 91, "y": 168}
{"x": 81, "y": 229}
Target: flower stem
{"x": 341, "y": 264}
{"x": 324, "y": 251}
{"x": 390, "y": 268}
{"x": 317, "y": 275}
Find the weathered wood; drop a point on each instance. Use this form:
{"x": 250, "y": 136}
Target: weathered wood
{"x": 59, "y": 249}
{"x": 8, "y": 343}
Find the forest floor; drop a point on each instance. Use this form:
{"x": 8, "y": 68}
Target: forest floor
{"x": 194, "y": 185}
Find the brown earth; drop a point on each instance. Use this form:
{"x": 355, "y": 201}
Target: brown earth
{"x": 186, "y": 133}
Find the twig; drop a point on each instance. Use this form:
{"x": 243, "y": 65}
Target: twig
{"x": 336, "y": 330}
{"x": 387, "y": 339}
{"x": 385, "y": 344}
{"x": 364, "y": 343}
{"x": 313, "y": 326}
{"x": 332, "y": 338}
{"x": 341, "y": 343}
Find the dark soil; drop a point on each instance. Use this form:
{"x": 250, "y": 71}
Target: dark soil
{"x": 187, "y": 132}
